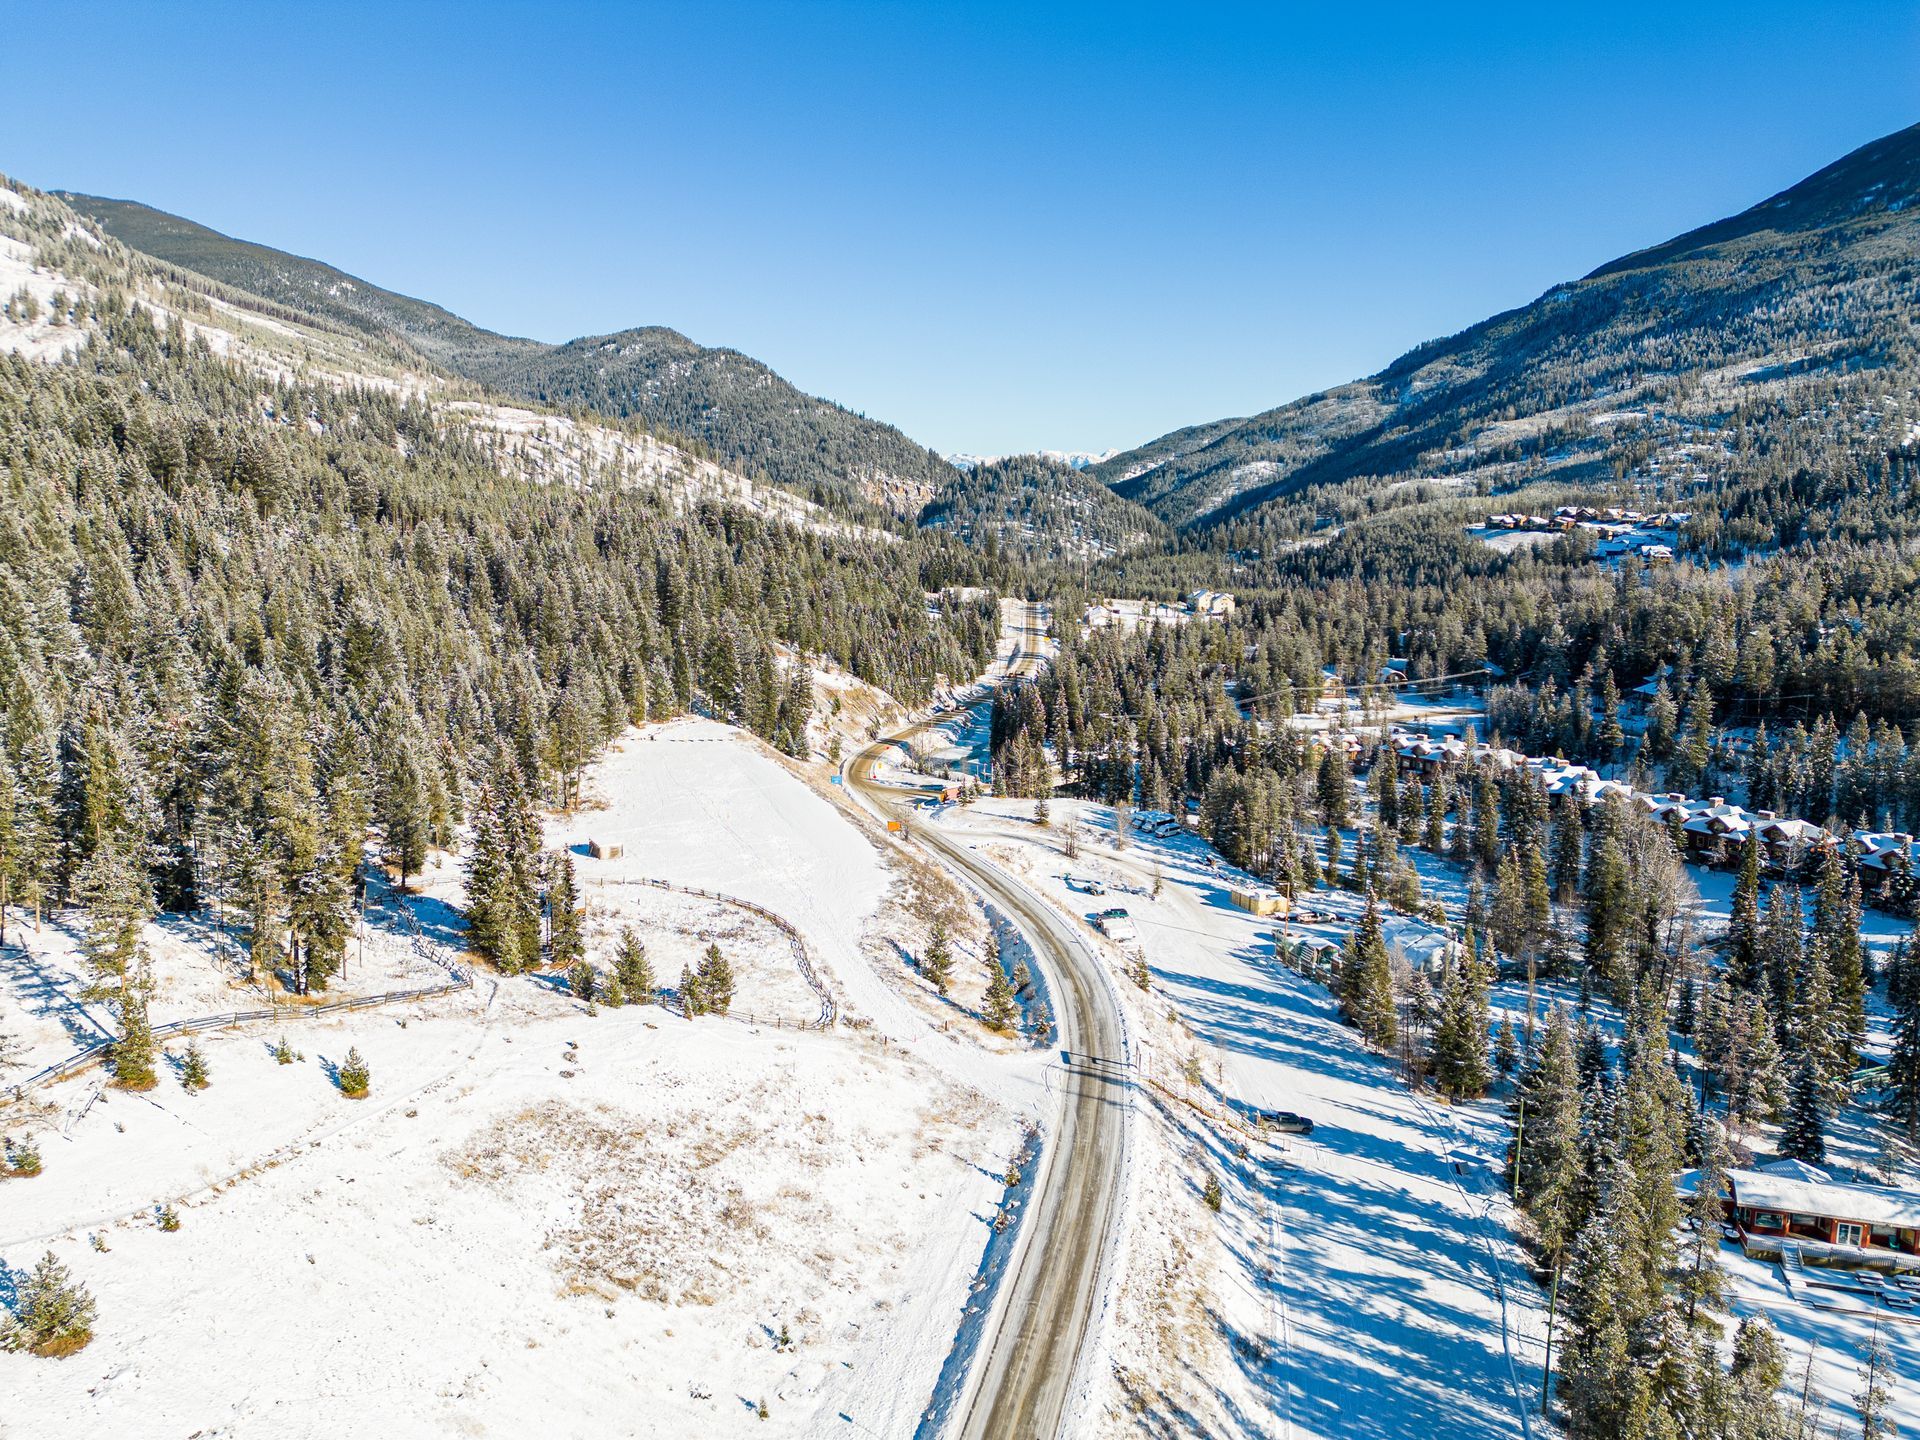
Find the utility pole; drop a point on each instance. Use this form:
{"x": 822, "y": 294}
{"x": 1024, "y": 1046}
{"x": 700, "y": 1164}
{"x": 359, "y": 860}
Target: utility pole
{"x": 1519, "y": 1136}
{"x": 1553, "y": 1306}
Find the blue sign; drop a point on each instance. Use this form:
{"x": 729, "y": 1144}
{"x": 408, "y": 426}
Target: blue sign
{"x": 834, "y": 780}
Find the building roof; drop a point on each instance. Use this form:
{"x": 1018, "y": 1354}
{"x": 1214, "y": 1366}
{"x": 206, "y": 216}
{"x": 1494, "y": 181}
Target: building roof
{"x": 1795, "y": 1188}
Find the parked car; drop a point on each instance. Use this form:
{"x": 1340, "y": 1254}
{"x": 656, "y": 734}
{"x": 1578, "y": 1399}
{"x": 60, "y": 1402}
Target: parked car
{"x": 1286, "y": 1121}
{"x": 1085, "y": 885}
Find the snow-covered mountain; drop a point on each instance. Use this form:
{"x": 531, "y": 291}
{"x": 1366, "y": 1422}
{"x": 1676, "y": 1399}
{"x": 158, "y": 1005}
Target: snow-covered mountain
{"x": 1078, "y": 459}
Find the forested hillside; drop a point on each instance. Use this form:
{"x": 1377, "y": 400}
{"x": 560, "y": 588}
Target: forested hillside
{"x": 243, "y": 617}
{"x": 745, "y": 415}
{"x": 1039, "y": 507}
{"x": 1817, "y": 282}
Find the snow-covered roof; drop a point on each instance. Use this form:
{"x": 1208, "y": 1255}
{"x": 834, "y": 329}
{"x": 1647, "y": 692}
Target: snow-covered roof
{"x": 1795, "y": 1188}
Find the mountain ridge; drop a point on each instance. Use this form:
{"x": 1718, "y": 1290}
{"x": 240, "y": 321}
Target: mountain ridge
{"x": 1744, "y": 298}
{"x": 743, "y": 411}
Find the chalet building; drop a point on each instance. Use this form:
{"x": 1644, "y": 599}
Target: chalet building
{"x": 1786, "y": 845}
{"x": 1830, "y": 1222}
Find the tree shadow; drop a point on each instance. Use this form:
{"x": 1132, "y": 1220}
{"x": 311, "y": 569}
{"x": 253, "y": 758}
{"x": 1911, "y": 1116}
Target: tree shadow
{"x": 44, "y": 989}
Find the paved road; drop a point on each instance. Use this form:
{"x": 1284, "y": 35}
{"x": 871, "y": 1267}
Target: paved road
{"x": 1024, "y": 1374}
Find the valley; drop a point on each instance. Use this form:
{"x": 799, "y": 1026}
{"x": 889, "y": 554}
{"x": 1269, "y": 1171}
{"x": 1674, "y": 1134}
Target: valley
{"x": 578, "y": 887}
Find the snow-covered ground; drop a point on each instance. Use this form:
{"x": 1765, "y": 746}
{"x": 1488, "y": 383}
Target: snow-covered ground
{"x": 1363, "y": 1281}
{"x": 620, "y": 1212}
{"x": 198, "y": 969}
{"x": 617, "y": 1215}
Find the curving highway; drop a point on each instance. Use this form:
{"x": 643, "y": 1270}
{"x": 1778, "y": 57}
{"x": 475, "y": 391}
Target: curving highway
{"x": 1025, "y": 1374}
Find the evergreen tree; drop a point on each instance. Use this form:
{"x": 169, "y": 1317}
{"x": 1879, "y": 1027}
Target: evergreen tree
{"x": 566, "y": 941}
{"x": 1872, "y": 1399}
{"x": 117, "y": 900}
{"x": 353, "y": 1076}
{"x": 937, "y": 963}
{"x": 1506, "y": 1050}
{"x": 1744, "y": 967}
{"x": 1366, "y": 981}
{"x": 1903, "y": 996}
{"x": 1547, "y": 1156}
{"x": 53, "y": 1314}
{"x": 715, "y": 979}
{"x": 1460, "y": 1036}
{"x": 1803, "y": 1136}
{"x": 1001, "y": 1012}
{"x": 1334, "y": 787}
{"x": 634, "y": 970}
{"x": 584, "y": 982}
{"x": 193, "y": 1068}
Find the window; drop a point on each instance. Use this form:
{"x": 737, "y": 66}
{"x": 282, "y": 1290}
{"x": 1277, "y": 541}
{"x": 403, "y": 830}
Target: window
{"x": 1846, "y": 1234}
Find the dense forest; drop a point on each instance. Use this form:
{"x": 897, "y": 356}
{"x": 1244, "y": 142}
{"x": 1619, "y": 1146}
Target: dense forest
{"x": 242, "y": 624}
{"x": 1039, "y": 508}
{"x": 740, "y": 411}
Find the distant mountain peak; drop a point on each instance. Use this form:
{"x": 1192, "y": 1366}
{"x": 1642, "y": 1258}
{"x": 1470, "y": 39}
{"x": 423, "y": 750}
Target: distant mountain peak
{"x": 1077, "y": 459}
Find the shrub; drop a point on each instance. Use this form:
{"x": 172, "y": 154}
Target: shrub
{"x": 353, "y": 1077}
{"x": 22, "y": 1157}
{"x": 55, "y": 1314}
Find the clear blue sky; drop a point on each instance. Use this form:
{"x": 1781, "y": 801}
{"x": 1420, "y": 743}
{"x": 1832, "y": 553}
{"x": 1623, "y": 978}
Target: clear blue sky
{"x": 998, "y": 226}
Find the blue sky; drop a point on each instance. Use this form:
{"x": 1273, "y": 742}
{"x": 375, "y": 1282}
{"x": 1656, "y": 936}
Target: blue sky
{"x": 1000, "y": 227}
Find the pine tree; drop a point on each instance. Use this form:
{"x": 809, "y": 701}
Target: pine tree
{"x": 402, "y": 810}
{"x": 692, "y": 1000}
{"x": 503, "y": 907}
{"x": 1804, "y": 1134}
{"x": 1334, "y": 788}
{"x": 1547, "y": 1157}
{"x": 1701, "y": 1280}
{"x": 1871, "y": 1400}
{"x": 584, "y": 982}
{"x": 716, "y": 981}
{"x": 566, "y": 942}
{"x": 937, "y": 963}
{"x": 1366, "y": 981}
{"x": 1744, "y": 967}
{"x": 1903, "y": 995}
{"x": 118, "y": 901}
{"x": 1460, "y": 1036}
{"x": 1506, "y": 1050}
{"x": 353, "y": 1076}
{"x": 634, "y": 969}
{"x": 53, "y": 1314}
{"x": 1836, "y": 922}
{"x": 193, "y": 1068}
{"x": 1001, "y": 1012}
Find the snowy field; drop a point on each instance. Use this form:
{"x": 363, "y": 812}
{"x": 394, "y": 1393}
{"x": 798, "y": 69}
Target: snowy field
{"x": 624, "y": 1211}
